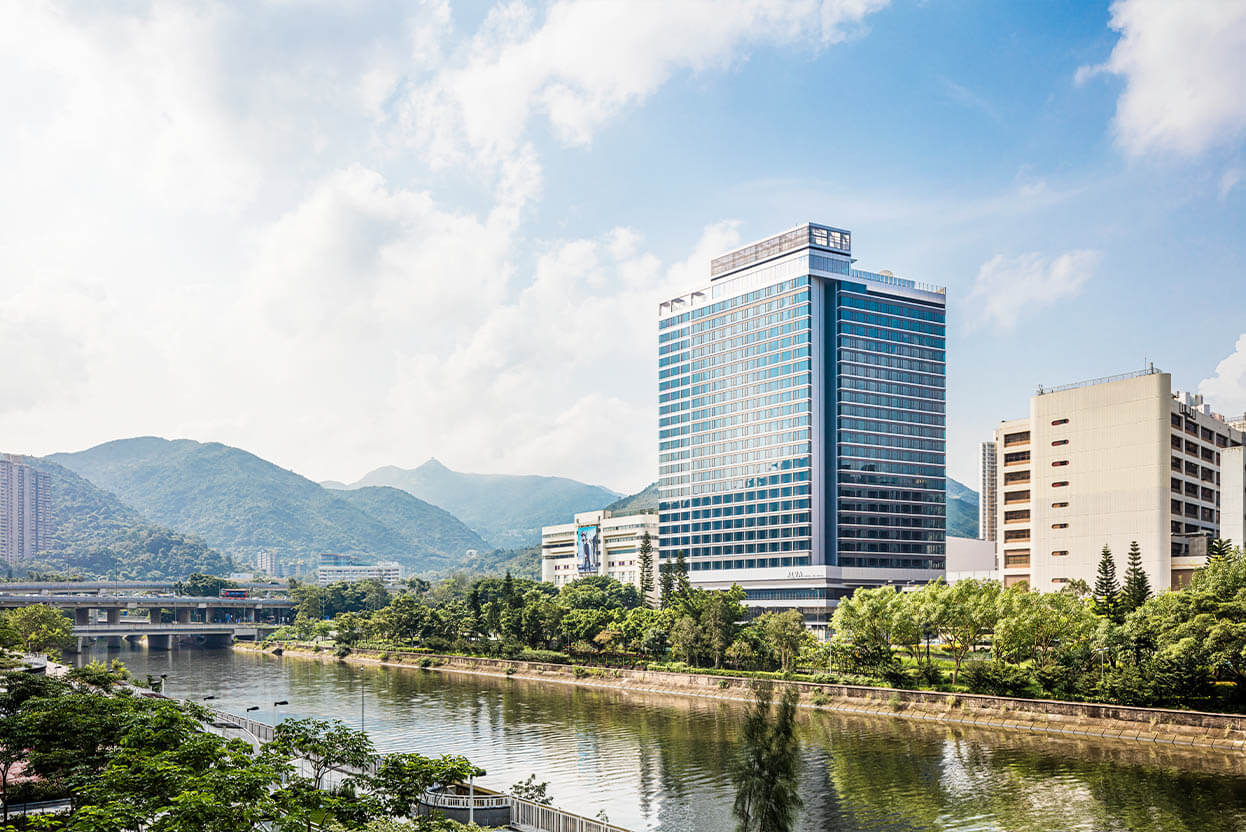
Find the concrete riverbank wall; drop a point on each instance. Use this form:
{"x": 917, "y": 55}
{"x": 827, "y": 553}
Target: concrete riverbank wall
{"x": 1190, "y": 729}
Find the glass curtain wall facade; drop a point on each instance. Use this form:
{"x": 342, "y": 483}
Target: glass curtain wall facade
{"x": 801, "y": 425}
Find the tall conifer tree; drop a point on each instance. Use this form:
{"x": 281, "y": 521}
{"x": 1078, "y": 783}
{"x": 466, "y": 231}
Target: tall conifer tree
{"x": 1107, "y": 591}
{"x": 1137, "y": 586}
{"x": 646, "y": 568}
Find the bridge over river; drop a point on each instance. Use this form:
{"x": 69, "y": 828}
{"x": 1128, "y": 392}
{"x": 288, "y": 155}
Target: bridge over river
{"x": 160, "y": 619}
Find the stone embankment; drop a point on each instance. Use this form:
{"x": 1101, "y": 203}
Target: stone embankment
{"x": 1196, "y": 729}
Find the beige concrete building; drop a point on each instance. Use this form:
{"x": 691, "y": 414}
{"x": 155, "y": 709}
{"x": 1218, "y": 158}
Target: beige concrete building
{"x": 25, "y": 515}
{"x": 1109, "y": 462}
{"x": 598, "y": 543}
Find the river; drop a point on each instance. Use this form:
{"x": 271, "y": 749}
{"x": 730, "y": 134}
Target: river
{"x": 661, "y": 763}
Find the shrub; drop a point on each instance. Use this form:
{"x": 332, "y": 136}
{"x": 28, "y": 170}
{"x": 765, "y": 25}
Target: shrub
{"x": 426, "y": 662}
{"x": 894, "y": 702}
{"x": 996, "y": 678}
{"x": 510, "y": 671}
{"x": 547, "y": 656}
{"x": 342, "y": 652}
{"x": 820, "y": 698}
{"x": 723, "y": 683}
{"x": 930, "y": 674}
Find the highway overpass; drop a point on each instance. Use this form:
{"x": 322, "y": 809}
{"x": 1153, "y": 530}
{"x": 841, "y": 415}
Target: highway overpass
{"x": 114, "y": 617}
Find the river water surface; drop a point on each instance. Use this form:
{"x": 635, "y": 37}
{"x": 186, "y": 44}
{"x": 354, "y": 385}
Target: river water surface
{"x": 661, "y": 763}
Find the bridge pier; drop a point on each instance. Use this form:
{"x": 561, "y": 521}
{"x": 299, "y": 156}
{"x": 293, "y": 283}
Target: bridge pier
{"x": 114, "y": 642}
{"x": 114, "y": 615}
{"x": 218, "y": 639}
{"x": 159, "y": 642}
{"x": 82, "y": 616}
{"x": 182, "y": 615}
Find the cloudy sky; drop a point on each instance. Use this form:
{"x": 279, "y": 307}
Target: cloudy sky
{"x": 342, "y": 235}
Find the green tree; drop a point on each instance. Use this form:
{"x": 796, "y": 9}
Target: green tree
{"x": 530, "y": 790}
{"x": 202, "y": 586}
{"x": 786, "y": 634}
{"x": 766, "y": 773}
{"x": 686, "y": 638}
{"x": 718, "y": 618}
{"x": 401, "y": 780}
{"x": 646, "y": 567}
{"x": 868, "y": 621}
{"x": 37, "y": 628}
{"x": 682, "y": 584}
{"x": 1137, "y": 588}
{"x": 1219, "y": 550}
{"x": 963, "y": 613}
{"x": 325, "y": 745}
{"x": 666, "y": 578}
{"x": 1107, "y": 590}
{"x": 1034, "y": 625}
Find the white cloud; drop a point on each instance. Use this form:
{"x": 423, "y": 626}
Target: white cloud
{"x": 1007, "y": 286}
{"x": 588, "y": 61}
{"x": 1226, "y": 390}
{"x": 215, "y": 230}
{"x": 1183, "y": 65}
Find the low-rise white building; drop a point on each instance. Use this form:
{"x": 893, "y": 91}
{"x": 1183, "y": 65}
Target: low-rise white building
{"x": 598, "y": 543}
{"x": 387, "y": 573}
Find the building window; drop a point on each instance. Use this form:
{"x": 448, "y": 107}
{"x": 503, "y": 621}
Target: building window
{"x": 1055, "y": 422}
{"x": 1059, "y": 463}
{"x": 1059, "y": 525}
{"x": 1016, "y": 438}
{"x": 1016, "y": 496}
{"x": 1016, "y": 535}
{"x": 1013, "y": 477}
{"x": 1016, "y": 558}
{"x": 1057, "y": 442}
{"x": 1016, "y": 457}
{"x": 1059, "y": 505}
{"x": 1017, "y": 516}
{"x": 1060, "y": 484}
{"x": 1060, "y": 553}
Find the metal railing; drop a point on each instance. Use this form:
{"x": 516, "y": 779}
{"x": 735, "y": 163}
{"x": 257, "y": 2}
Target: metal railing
{"x": 535, "y": 817}
{"x": 447, "y": 800}
{"x": 1149, "y": 371}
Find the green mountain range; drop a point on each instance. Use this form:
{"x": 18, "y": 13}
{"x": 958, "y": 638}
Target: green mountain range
{"x": 507, "y": 510}
{"x": 95, "y": 534}
{"x": 241, "y": 504}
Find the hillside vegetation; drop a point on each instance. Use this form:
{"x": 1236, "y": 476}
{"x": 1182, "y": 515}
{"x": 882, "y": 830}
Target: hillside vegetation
{"x": 94, "y": 534}
{"x": 507, "y": 510}
{"x": 240, "y": 504}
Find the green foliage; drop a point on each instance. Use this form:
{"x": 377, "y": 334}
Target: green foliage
{"x": 242, "y": 504}
{"x": 1137, "y": 587}
{"x": 997, "y": 678}
{"x": 37, "y": 628}
{"x": 766, "y": 773}
{"x": 94, "y": 534}
{"x": 1107, "y": 590}
{"x": 529, "y": 789}
{"x": 644, "y": 501}
{"x": 402, "y": 779}
{"x": 646, "y": 567}
{"x": 202, "y": 586}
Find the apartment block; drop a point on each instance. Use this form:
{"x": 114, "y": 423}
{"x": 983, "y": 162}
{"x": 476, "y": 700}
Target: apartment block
{"x": 1108, "y": 462}
{"x": 801, "y": 406}
{"x": 988, "y": 486}
{"x": 599, "y": 543}
{"x": 25, "y": 514}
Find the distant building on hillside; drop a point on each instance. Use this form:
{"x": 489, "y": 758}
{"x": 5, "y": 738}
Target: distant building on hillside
{"x": 268, "y": 562}
{"x": 25, "y": 516}
{"x": 1109, "y": 462}
{"x": 386, "y": 572}
{"x": 337, "y": 559}
{"x": 986, "y": 492}
{"x": 598, "y": 543}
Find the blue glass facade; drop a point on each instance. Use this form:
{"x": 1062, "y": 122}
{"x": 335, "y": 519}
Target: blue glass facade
{"x": 801, "y": 417}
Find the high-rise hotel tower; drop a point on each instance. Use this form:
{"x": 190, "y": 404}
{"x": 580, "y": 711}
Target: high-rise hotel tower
{"x": 801, "y": 425}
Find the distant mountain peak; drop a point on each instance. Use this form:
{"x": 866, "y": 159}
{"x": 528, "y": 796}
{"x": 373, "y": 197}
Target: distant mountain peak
{"x": 433, "y": 464}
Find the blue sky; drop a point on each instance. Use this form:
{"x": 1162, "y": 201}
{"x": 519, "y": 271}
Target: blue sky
{"x": 342, "y": 237}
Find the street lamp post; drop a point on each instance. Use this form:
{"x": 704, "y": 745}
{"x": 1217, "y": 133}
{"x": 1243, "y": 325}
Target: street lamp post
{"x": 163, "y": 676}
{"x": 277, "y": 712}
